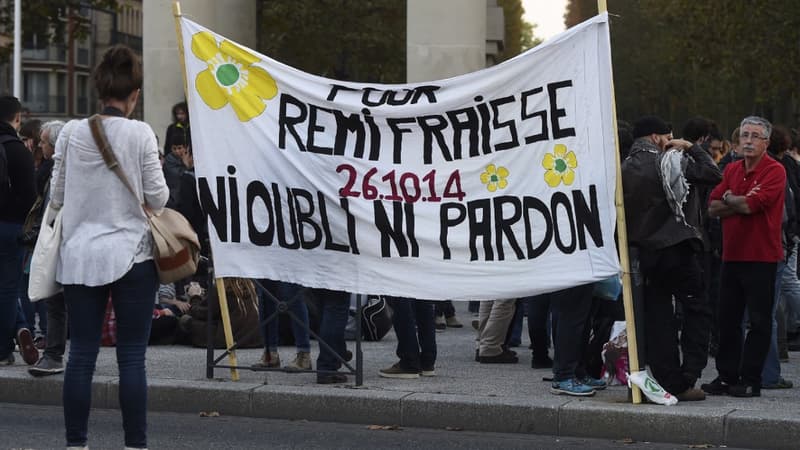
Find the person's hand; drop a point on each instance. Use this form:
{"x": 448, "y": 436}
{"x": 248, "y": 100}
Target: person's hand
{"x": 680, "y": 144}
{"x": 183, "y": 307}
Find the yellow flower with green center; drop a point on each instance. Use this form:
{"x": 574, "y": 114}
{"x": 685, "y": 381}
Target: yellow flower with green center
{"x": 494, "y": 177}
{"x": 231, "y": 77}
{"x": 560, "y": 166}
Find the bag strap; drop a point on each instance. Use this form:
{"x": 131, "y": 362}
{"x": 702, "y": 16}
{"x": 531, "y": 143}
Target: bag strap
{"x": 100, "y": 139}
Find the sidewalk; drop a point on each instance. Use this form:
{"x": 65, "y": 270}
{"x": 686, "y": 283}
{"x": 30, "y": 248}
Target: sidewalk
{"x": 463, "y": 394}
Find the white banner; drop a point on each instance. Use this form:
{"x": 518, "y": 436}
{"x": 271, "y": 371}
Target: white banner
{"x": 491, "y": 185}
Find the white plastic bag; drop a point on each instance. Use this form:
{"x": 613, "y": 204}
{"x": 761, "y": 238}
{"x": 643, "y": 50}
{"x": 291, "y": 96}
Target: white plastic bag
{"x": 43, "y": 282}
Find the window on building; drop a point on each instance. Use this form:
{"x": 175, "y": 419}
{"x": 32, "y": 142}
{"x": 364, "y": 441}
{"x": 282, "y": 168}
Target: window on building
{"x": 35, "y": 93}
{"x": 82, "y": 100}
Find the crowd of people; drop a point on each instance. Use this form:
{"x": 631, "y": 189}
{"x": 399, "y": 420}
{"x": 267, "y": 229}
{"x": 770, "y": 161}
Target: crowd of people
{"x": 712, "y": 224}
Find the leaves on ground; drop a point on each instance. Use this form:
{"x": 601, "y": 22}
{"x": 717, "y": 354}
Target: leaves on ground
{"x": 384, "y": 427}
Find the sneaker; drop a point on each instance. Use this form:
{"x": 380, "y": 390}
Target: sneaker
{"x": 441, "y": 325}
{"x": 331, "y": 378}
{"x": 744, "y": 390}
{"x": 428, "y": 372}
{"x": 503, "y": 358}
{"x": 46, "y": 366}
{"x": 716, "y": 387}
{"x": 781, "y": 384}
{"x": 26, "y": 347}
{"x": 541, "y": 363}
{"x": 571, "y": 387}
{"x": 691, "y": 395}
{"x": 9, "y": 361}
{"x": 593, "y": 383}
{"x": 301, "y": 362}
{"x": 452, "y": 322}
{"x": 397, "y": 371}
{"x": 269, "y": 360}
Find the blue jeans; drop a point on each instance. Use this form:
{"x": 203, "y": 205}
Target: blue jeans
{"x": 771, "y": 373}
{"x": 31, "y": 309}
{"x": 790, "y": 290}
{"x": 284, "y": 292}
{"x": 10, "y": 275}
{"x": 334, "y": 311}
{"x": 414, "y": 325}
{"x": 133, "y": 298}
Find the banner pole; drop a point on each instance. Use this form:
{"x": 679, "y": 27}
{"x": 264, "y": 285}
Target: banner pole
{"x": 622, "y": 237}
{"x": 221, "y": 296}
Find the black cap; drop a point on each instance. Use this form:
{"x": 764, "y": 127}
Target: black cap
{"x": 648, "y": 125}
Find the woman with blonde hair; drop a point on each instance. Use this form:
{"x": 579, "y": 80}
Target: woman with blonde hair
{"x": 106, "y": 246}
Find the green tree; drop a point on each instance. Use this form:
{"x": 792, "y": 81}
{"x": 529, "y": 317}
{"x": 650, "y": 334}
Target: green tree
{"x": 359, "y": 40}
{"x": 50, "y": 21}
{"x": 519, "y": 34}
{"x": 716, "y": 58}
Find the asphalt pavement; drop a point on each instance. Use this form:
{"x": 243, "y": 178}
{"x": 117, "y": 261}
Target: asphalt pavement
{"x": 464, "y": 395}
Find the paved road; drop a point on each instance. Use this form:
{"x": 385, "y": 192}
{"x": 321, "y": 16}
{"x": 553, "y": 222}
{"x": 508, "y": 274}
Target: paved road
{"x": 41, "y": 427}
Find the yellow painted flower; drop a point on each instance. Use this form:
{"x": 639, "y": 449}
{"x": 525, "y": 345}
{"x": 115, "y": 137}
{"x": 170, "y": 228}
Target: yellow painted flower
{"x": 560, "y": 166}
{"x": 231, "y": 77}
{"x": 494, "y": 177}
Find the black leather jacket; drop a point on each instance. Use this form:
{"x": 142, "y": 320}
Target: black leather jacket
{"x": 650, "y": 221}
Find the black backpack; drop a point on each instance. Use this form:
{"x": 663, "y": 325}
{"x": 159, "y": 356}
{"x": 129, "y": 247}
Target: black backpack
{"x": 376, "y": 319}
{"x": 5, "y": 181}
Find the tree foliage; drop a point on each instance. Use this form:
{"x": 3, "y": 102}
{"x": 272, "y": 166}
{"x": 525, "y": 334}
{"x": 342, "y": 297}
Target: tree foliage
{"x": 50, "y": 21}
{"x": 519, "y": 34}
{"x": 47, "y": 19}
{"x": 359, "y": 40}
{"x": 715, "y": 58}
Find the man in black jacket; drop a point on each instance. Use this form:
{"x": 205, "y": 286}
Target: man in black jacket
{"x": 16, "y": 198}
{"x": 660, "y": 187}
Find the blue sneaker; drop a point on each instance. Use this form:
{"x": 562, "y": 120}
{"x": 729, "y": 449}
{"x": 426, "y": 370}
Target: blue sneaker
{"x": 594, "y": 383}
{"x": 571, "y": 387}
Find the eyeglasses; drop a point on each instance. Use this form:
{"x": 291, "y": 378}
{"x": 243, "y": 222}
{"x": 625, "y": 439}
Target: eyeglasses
{"x": 753, "y": 136}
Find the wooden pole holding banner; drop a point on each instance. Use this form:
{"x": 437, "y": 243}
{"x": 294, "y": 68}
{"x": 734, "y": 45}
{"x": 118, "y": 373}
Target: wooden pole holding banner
{"x": 622, "y": 237}
{"x": 221, "y": 295}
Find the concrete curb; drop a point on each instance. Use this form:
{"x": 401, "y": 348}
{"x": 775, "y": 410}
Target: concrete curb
{"x": 551, "y": 415}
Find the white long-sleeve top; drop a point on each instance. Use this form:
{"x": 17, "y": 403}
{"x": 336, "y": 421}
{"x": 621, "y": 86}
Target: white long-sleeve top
{"x": 104, "y": 230}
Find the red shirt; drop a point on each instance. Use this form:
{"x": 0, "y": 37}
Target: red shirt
{"x": 755, "y": 236}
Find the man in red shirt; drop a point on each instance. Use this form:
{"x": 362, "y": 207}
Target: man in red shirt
{"x": 750, "y": 202}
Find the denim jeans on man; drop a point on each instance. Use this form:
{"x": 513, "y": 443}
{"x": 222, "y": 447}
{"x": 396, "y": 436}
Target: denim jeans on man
{"x": 133, "y": 298}
{"x": 414, "y": 325}
{"x": 10, "y": 276}
{"x": 771, "y": 373}
{"x": 334, "y": 311}
{"x": 285, "y": 292}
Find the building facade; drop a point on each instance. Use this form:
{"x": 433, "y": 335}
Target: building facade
{"x": 56, "y": 77}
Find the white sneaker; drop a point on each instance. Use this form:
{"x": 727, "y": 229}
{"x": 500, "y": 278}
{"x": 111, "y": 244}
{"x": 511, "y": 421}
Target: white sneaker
{"x": 651, "y": 389}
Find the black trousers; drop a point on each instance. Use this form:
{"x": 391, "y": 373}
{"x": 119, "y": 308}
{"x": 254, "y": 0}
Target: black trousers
{"x": 751, "y": 285}
{"x": 675, "y": 271}
{"x": 538, "y": 315}
{"x": 571, "y": 311}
